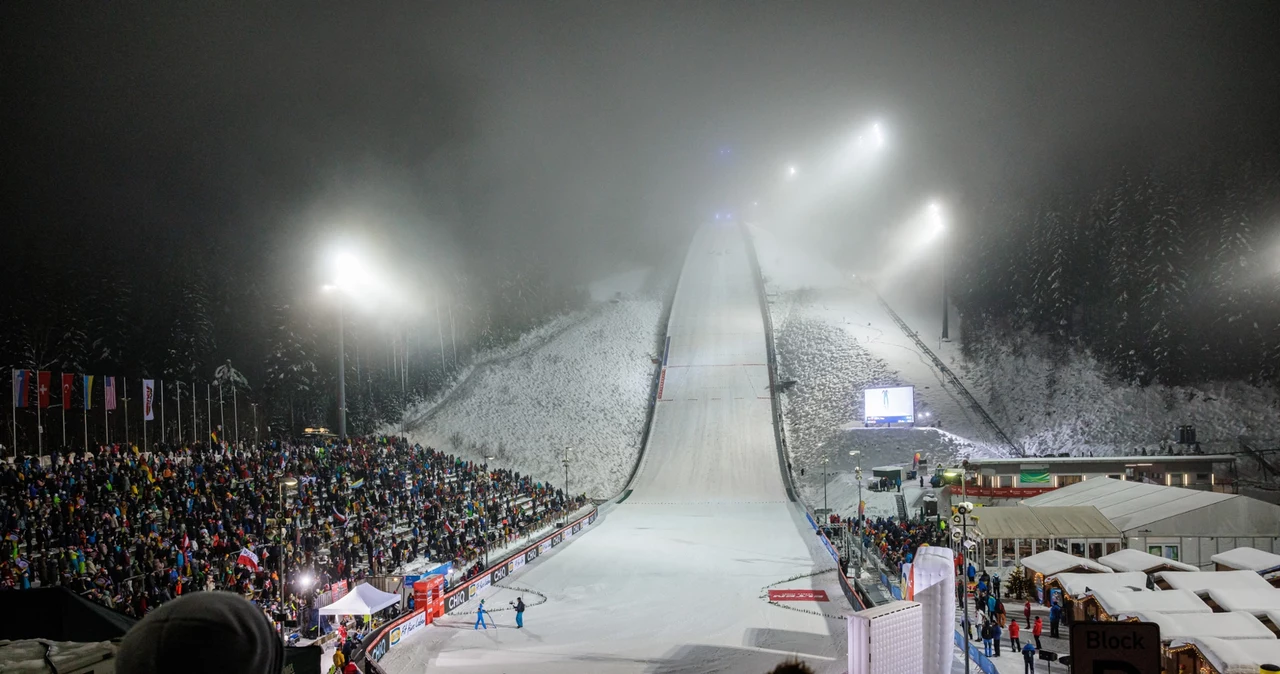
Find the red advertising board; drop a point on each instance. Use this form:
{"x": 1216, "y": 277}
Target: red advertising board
{"x": 798, "y": 595}
{"x": 1003, "y": 492}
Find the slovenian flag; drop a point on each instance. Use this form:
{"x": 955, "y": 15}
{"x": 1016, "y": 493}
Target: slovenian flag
{"x": 247, "y": 558}
{"x": 339, "y": 517}
{"x": 447, "y": 528}
{"x": 21, "y": 382}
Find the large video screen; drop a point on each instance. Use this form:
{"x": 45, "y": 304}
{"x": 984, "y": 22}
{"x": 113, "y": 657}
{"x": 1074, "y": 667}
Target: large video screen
{"x": 895, "y": 405}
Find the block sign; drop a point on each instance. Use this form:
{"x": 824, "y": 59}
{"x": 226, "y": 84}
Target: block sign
{"x": 1115, "y": 648}
{"x": 798, "y": 595}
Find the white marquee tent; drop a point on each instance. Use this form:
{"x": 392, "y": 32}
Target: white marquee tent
{"x": 364, "y": 600}
{"x": 1186, "y": 525}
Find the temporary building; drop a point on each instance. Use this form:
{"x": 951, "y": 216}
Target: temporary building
{"x": 1176, "y": 523}
{"x": 1042, "y": 565}
{"x": 1130, "y": 559}
{"x": 364, "y": 600}
{"x": 1076, "y": 586}
{"x": 1247, "y": 559}
{"x": 1235, "y": 625}
{"x": 1007, "y": 534}
{"x": 1107, "y": 605}
{"x": 1201, "y": 583}
{"x": 1251, "y": 600}
{"x": 1224, "y": 656}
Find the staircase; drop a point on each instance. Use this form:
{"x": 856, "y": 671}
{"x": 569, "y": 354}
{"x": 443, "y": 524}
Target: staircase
{"x": 902, "y": 507}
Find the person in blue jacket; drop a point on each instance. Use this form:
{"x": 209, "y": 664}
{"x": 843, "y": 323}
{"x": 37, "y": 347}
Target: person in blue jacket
{"x": 1055, "y": 615}
{"x": 480, "y": 617}
{"x": 1028, "y": 658}
{"x": 519, "y": 612}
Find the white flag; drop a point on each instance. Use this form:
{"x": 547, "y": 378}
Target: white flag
{"x": 148, "y": 399}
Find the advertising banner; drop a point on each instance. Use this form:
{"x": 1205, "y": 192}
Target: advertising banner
{"x": 798, "y": 595}
{"x": 499, "y": 573}
{"x": 381, "y": 646}
{"x": 591, "y": 519}
{"x": 530, "y": 555}
{"x": 517, "y": 563}
{"x": 557, "y": 539}
{"x": 455, "y": 600}
{"x": 544, "y": 547}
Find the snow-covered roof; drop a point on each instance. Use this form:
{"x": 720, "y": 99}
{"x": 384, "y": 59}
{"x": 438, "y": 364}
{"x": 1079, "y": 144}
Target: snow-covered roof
{"x": 1080, "y": 584}
{"x": 1034, "y": 460}
{"x": 1248, "y": 559}
{"x": 1235, "y": 625}
{"x": 1129, "y": 505}
{"x": 1140, "y": 509}
{"x": 1237, "y": 656}
{"x": 1052, "y": 562}
{"x": 1132, "y": 559}
{"x": 1116, "y": 602}
{"x": 1204, "y": 581}
{"x": 1252, "y": 600}
{"x": 1023, "y": 522}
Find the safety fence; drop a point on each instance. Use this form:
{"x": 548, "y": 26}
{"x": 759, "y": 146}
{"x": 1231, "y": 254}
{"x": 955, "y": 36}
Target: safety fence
{"x": 976, "y": 656}
{"x": 376, "y": 646}
{"x": 849, "y": 587}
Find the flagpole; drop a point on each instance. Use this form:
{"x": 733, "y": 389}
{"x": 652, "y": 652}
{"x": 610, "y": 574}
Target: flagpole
{"x": 126, "y": 411}
{"x": 235, "y": 413}
{"x": 160, "y": 383}
{"x": 64, "y": 422}
{"x": 179, "y": 397}
{"x": 13, "y": 426}
{"x": 195, "y": 423}
{"x": 86, "y": 415}
{"x": 39, "y": 420}
{"x": 208, "y": 404}
{"x": 222, "y": 413}
{"x": 145, "y": 404}
{"x": 106, "y": 419}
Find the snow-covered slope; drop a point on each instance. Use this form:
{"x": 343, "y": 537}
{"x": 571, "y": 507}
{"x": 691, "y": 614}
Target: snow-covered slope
{"x": 834, "y": 339}
{"x": 582, "y": 382}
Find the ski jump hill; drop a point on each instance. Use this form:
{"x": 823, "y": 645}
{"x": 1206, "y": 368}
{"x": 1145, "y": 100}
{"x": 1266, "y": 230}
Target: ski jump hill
{"x": 674, "y": 576}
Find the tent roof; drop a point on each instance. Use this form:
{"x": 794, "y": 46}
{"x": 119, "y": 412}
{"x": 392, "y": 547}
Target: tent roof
{"x": 1248, "y": 559}
{"x": 1080, "y": 584}
{"x": 1024, "y": 522}
{"x": 1117, "y": 602}
{"x": 1132, "y": 559}
{"x": 1236, "y": 625}
{"x": 1202, "y": 582}
{"x": 1252, "y": 600}
{"x": 1051, "y": 562}
{"x": 1127, "y": 504}
{"x": 1237, "y": 656}
{"x": 363, "y": 600}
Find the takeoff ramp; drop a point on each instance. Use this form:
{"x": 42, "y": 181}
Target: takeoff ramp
{"x": 675, "y": 577}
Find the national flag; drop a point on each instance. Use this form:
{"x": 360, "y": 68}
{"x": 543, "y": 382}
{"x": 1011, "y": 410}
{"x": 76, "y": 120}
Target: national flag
{"x": 21, "y": 382}
{"x": 148, "y": 399}
{"x": 109, "y": 392}
{"x": 862, "y": 508}
{"x": 247, "y": 558}
{"x": 67, "y": 382}
{"x": 358, "y": 483}
{"x": 339, "y": 517}
{"x": 88, "y": 391}
{"x": 186, "y": 542}
{"x": 447, "y": 527}
{"x": 43, "y": 378}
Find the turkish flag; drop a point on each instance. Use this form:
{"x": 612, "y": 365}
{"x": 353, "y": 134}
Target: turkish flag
{"x": 67, "y": 380}
{"x": 42, "y": 385}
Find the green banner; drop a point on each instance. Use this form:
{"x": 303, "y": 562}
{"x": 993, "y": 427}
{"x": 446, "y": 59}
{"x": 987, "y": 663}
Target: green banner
{"x": 1033, "y": 477}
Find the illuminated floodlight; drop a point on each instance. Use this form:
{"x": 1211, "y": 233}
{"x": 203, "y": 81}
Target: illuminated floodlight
{"x": 877, "y": 134}
{"x": 791, "y": 171}
{"x": 936, "y": 224}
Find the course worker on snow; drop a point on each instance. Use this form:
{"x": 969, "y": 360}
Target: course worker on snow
{"x": 480, "y": 612}
{"x": 519, "y": 612}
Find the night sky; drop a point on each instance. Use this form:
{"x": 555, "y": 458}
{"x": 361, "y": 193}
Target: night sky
{"x": 592, "y": 134}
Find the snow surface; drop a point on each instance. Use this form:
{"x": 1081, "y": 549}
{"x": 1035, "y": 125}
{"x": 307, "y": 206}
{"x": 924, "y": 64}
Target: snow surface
{"x": 834, "y": 339}
{"x": 674, "y": 577}
{"x": 1049, "y": 400}
{"x": 1248, "y": 559}
{"x": 1236, "y": 656}
{"x": 582, "y": 381}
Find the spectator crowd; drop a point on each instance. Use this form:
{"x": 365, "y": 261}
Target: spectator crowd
{"x": 897, "y": 541}
{"x": 132, "y": 529}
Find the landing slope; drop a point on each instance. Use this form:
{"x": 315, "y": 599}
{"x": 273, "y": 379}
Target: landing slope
{"x": 673, "y": 579}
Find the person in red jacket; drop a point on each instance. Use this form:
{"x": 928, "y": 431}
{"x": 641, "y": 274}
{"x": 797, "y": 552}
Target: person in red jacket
{"x": 1036, "y": 630}
{"x": 1026, "y": 611}
{"x": 1014, "y": 642}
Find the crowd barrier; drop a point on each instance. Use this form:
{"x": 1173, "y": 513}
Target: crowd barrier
{"x": 850, "y": 588}
{"x": 383, "y": 640}
{"x": 976, "y": 656}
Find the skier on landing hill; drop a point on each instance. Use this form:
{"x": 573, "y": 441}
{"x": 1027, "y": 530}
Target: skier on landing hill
{"x": 480, "y": 612}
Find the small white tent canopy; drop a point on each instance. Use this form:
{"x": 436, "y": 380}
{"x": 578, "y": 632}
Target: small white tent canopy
{"x": 364, "y": 600}
{"x": 1080, "y": 584}
{"x": 1248, "y": 559}
{"x": 1201, "y": 583}
{"x": 1131, "y": 559}
{"x": 1237, "y": 656}
{"x": 1252, "y": 601}
{"x": 1052, "y": 562}
{"x": 1184, "y": 626}
{"x": 1116, "y": 602}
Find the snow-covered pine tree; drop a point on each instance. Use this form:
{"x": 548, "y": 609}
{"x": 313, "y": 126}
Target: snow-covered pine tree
{"x": 1164, "y": 285}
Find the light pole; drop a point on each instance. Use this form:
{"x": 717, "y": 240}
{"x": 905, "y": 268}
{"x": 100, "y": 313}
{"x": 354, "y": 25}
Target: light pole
{"x": 287, "y": 486}
{"x": 963, "y": 512}
{"x": 342, "y": 370}
{"x": 255, "y": 423}
{"x": 939, "y": 232}
{"x": 567, "y": 450}
{"x": 825, "y": 461}
{"x": 857, "y": 473}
